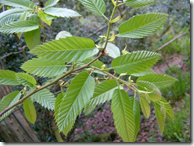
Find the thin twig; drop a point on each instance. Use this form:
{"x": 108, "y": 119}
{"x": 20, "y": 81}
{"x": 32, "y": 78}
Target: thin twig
{"x": 12, "y": 53}
{"x": 177, "y": 37}
{"x": 105, "y": 26}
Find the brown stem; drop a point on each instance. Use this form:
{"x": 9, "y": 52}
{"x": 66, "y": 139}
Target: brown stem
{"x": 177, "y": 37}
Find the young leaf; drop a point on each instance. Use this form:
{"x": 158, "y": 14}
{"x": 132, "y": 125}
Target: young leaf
{"x": 136, "y": 112}
{"x": 76, "y": 98}
{"x": 160, "y": 80}
{"x": 142, "y": 25}
{"x": 69, "y": 49}
{"x": 44, "y": 98}
{"x": 145, "y": 107}
{"x": 138, "y": 3}
{"x": 10, "y": 15}
{"x": 8, "y": 77}
{"x": 61, "y": 12}
{"x": 32, "y": 38}
{"x": 26, "y": 79}
{"x": 26, "y": 4}
{"x": 62, "y": 34}
{"x": 122, "y": 110}
{"x": 43, "y": 17}
{"x": 134, "y": 62}
{"x": 113, "y": 51}
{"x": 57, "y": 104}
{"x": 168, "y": 109}
{"x": 159, "y": 113}
{"x": 44, "y": 68}
{"x": 98, "y": 7}
{"x": 7, "y": 101}
{"x": 103, "y": 92}
{"x": 35, "y": 18}
{"x": 29, "y": 110}
{"x": 51, "y": 3}
{"x": 143, "y": 73}
{"x": 154, "y": 92}
{"x": 19, "y": 26}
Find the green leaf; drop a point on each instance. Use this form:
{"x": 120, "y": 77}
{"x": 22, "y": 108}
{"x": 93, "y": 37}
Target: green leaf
{"x": 138, "y": 3}
{"x": 57, "y": 104}
{"x": 98, "y": 7}
{"x": 32, "y": 38}
{"x": 26, "y": 79}
{"x": 154, "y": 94}
{"x": 122, "y": 110}
{"x": 43, "y": 17}
{"x": 169, "y": 110}
{"x": 44, "y": 68}
{"x": 140, "y": 26}
{"x": 51, "y": 3}
{"x": 103, "y": 92}
{"x": 76, "y": 98}
{"x": 19, "y": 26}
{"x": 136, "y": 112}
{"x": 29, "y": 110}
{"x": 69, "y": 49}
{"x": 10, "y": 15}
{"x": 135, "y": 62}
{"x": 7, "y": 101}
{"x": 63, "y": 34}
{"x": 145, "y": 107}
{"x": 143, "y": 73}
{"x": 160, "y": 80}
{"x": 159, "y": 113}
{"x": 26, "y": 4}
{"x": 44, "y": 98}
{"x": 8, "y": 77}
{"x": 61, "y": 12}
{"x": 113, "y": 51}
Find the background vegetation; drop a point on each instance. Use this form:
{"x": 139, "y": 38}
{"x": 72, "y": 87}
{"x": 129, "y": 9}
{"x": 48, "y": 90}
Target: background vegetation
{"x": 175, "y": 61}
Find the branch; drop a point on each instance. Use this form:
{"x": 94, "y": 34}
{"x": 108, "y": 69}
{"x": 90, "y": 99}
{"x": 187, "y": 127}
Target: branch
{"x": 177, "y": 37}
{"x": 49, "y": 84}
{"x": 13, "y": 53}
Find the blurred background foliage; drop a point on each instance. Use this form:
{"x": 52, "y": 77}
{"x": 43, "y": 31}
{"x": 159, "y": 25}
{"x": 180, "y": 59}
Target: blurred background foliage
{"x": 175, "y": 61}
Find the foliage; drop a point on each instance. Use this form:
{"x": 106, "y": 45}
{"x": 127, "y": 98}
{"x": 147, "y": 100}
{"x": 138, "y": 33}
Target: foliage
{"x": 64, "y": 55}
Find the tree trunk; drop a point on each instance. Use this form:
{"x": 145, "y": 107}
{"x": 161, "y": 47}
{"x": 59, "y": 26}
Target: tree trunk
{"x": 15, "y": 128}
